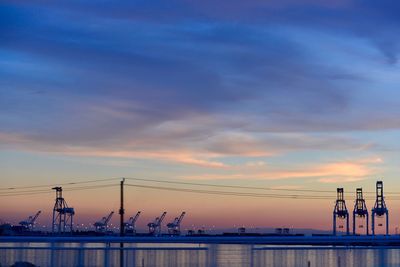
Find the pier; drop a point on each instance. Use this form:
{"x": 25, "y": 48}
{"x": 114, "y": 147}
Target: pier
{"x": 381, "y": 240}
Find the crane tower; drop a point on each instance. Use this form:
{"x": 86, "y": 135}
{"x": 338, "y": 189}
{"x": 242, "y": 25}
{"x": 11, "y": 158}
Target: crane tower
{"x": 62, "y": 214}
{"x": 29, "y": 223}
{"x": 340, "y": 211}
{"x": 130, "y": 225}
{"x": 102, "y": 225}
{"x": 380, "y": 208}
{"x": 360, "y": 211}
{"x": 174, "y": 228}
{"x": 155, "y": 226}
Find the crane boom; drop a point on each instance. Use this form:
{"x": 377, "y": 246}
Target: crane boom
{"x": 162, "y": 218}
{"x": 181, "y": 217}
{"x": 102, "y": 225}
{"x": 136, "y": 217}
{"x": 36, "y": 216}
{"x": 155, "y": 226}
{"x": 30, "y": 222}
{"x": 174, "y": 228}
{"x": 108, "y": 217}
{"x": 130, "y": 225}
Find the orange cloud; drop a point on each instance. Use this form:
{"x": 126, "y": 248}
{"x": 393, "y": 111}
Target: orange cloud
{"x": 344, "y": 171}
{"x": 174, "y": 156}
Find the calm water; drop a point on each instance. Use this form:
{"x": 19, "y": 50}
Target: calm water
{"x": 174, "y": 255}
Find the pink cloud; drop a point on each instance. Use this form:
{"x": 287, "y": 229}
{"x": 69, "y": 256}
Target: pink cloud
{"x": 343, "y": 171}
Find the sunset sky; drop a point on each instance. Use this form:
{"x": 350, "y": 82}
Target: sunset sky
{"x": 289, "y": 94}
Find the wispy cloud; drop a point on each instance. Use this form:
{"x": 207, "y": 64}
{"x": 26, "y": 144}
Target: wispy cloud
{"x": 190, "y": 83}
{"x": 333, "y": 172}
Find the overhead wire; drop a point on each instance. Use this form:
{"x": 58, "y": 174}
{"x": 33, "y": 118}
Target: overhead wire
{"x": 230, "y": 186}
{"x": 35, "y": 192}
{"x": 230, "y": 193}
{"x": 185, "y": 183}
{"x": 234, "y": 193}
{"x": 245, "y": 187}
{"x": 291, "y": 193}
{"x": 59, "y": 184}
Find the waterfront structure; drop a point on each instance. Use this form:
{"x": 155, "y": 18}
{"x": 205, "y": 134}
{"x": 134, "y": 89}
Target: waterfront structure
{"x": 380, "y": 208}
{"x": 63, "y": 215}
{"x": 340, "y": 211}
{"x": 360, "y": 211}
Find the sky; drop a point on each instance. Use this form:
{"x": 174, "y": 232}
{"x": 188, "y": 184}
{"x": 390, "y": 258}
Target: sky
{"x": 292, "y": 94}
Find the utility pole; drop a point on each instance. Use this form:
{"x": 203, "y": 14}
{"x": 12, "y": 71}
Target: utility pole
{"x": 121, "y": 227}
{"x": 121, "y": 209}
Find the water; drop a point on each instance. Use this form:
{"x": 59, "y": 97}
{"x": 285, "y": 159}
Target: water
{"x": 207, "y": 255}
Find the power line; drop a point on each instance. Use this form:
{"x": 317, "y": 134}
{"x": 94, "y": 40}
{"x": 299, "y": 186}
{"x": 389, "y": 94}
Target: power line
{"x": 213, "y": 192}
{"x": 246, "y": 187}
{"x": 233, "y": 193}
{"x": 16, "y": 191}
{"x": 35, "y": 192}
{"x": 51, "y": 185}
{"x": 231, "y": 186}
{"x": 26, "y": 194}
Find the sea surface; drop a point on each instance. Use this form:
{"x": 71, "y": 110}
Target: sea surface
{"x": 174, "y": 255}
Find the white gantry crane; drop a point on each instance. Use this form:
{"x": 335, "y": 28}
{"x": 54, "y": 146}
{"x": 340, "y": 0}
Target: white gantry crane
{"x": 29, "y": 223}
{"x": 130, "y": 225}
{"x": 174, "y": 228}
{"x": 155, "y": 226}
{"x": 102, "y": 225}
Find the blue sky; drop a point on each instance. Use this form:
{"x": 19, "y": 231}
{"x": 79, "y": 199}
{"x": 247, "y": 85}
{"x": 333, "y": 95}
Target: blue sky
{"x": 290, "y": 94}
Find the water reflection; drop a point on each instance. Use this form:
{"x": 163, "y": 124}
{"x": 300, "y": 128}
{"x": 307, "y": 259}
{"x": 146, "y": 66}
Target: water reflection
{"x": 196, "y": 255}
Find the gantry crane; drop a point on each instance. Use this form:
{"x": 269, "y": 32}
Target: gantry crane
{"x": 102, "y": 225}
{"x": 360, "y": 211}
{"x": 380, "y": 208}
{"x": 155, "y": 226}
{"x": 63, "y": 216}
{"x": 130, "y": 225}
{"x": 29, "y": 223}
{"x": 174, "y": 228}
{"x": 340, "y": 211}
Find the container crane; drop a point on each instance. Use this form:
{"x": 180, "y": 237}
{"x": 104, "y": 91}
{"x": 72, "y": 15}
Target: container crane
{"x": 380, "y": 208}
{"x": 130, "y": 225}
{"x": 360, "y": 211}
{"x": 63, "y": 216}
{"x": 29, "y": 223}
{"x": 102, "y": 225}
{"x": 155, "y": 226}
{"x": 174, "y": 228}
{"x": 340, "y": 211}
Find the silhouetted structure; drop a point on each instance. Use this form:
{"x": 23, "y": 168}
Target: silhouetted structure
{"x": 62, "y": 214}
{"x": 29, "y": 223}
{"x": 102, "y": 225}
{"x": 155, "y": 226}
{"x": 360, "y": 211}
{"x": 380, "y": 208}
{"x": 130, "y": 225}
{"x": 174, "y": 228}
{"x": 340, "y": 211}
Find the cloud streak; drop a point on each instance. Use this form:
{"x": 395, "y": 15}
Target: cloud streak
{"x": 332, "y": 172}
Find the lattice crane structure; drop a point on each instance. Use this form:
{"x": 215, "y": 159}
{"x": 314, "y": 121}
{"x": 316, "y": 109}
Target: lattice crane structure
{"x": 29, "y": 223}
{"x": 102, "y": 225}
{"x": 360, "y": 211}
{"x": 174, "y": 228}
{"x": 155, "y": 226}
{"x": 63, "y": 216}
{"x": 340, "y": 211}
{"x": 130, "y": 225}
{"x": 380, "y": 208}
